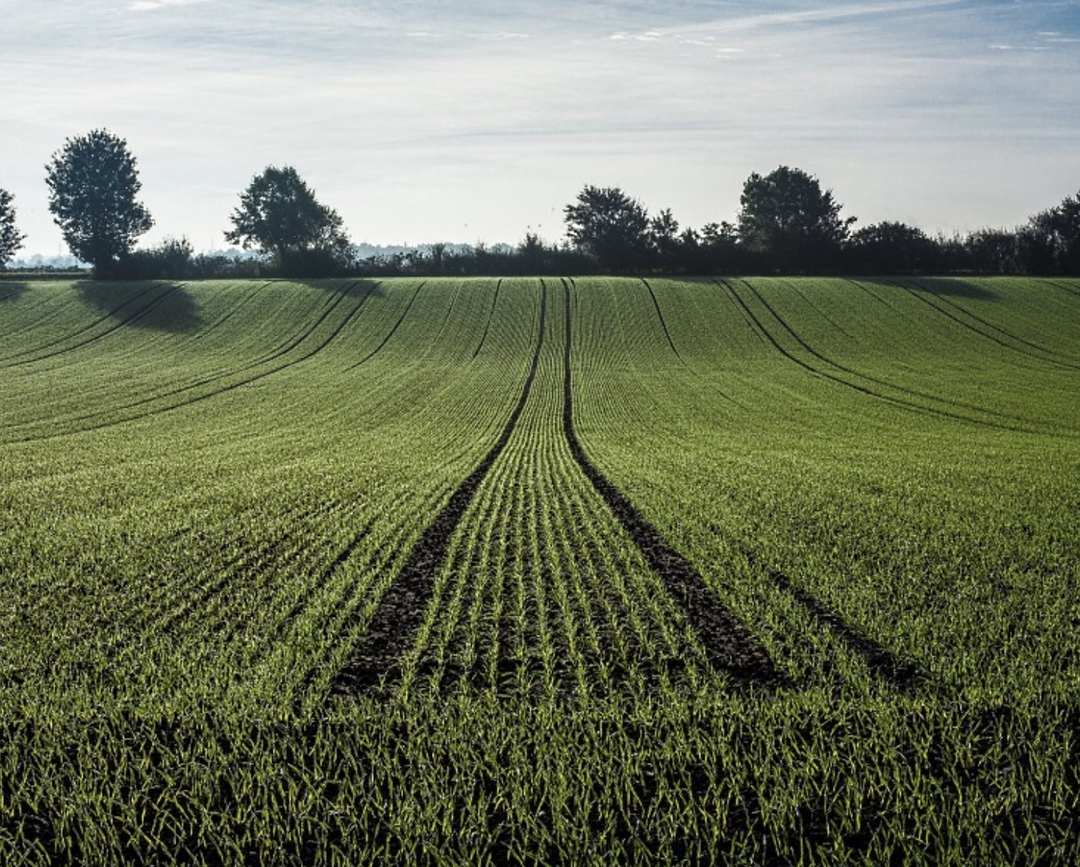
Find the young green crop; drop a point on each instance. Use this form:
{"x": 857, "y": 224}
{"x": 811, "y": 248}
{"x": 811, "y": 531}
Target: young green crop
{"x": 207, "y": 491}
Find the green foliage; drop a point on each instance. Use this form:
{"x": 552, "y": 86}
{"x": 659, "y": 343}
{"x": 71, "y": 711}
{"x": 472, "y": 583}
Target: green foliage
{"x": 206, "y": 490}
{"x": 172, "y": 259}
{"x": 92, "y": 188}
{"x": 891, "y": 248}
{"x": 791, "y": 222}
{"x": 280, "y": 215}
{"x": 1050, "y": 243}
{"x": 10, "y": 238}
{"x": 610, "y": 226}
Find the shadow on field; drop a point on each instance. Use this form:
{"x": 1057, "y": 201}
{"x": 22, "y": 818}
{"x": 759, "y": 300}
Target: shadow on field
{"x": 159, "y": 306}
{"x": 955, "y": 288}
{"x": 354, "y": 288}
{"x": 12, "y": 291}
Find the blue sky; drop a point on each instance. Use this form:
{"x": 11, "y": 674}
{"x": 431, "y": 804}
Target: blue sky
{"x": 431, "y": 120}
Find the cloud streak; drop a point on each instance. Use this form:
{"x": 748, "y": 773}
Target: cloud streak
{"x": 152, "y": 5}
{"x": 431, "y": 122}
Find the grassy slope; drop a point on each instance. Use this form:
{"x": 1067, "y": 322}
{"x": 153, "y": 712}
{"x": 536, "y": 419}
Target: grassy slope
{"x": 204, "y": 490}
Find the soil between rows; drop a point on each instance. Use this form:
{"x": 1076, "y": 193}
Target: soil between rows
{"x": 401, "y": 610}
{"x": 375, "y": 664}
{"x": 728, "y": 645}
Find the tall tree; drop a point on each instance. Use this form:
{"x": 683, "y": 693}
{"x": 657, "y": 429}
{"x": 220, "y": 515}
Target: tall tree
{"x": 610, "y": 226}
{"x": 10, "y": 238}
{"x": 92, "y": 187}
{"x": 789, "y": 220}
{"x": 280, "y": 215}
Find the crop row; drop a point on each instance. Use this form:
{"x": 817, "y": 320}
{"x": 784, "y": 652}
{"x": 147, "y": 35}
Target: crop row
{"x": 776, "y": 571}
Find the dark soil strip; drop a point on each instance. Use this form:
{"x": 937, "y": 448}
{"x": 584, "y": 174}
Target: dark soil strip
{"x": 491, "y": 315}
{"x": 401, "y": 610}
{"x": 1001, "y": 338}
{"x": 386, "y": 339}
{"x": 279, "y": 352}
{"x": 880, "y": 661}
{"x": 817, "y": 371}
{"x": 865, "y": 376}
{"x": 660, "y": 314}
{"x": 1072, "y": 290}
{"x": 728, "y": 645}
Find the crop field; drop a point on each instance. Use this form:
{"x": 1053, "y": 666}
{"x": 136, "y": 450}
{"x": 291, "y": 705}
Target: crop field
{"x": 595, "y": 571}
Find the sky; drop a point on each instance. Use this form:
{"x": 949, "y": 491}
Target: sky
{"x": 432, "y": 120}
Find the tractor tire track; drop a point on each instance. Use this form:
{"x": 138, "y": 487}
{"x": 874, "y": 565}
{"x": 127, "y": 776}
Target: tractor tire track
{"x": 123, "y": 323}
{"x": 1002, "y": 340}
{"x": 491, "y": 315}
{"x": 390, "y": 334}
{"x": 1072, "y": 290}
{"x": 869, "y": 392}
{"x": 865, "y": 376}
{"x": 660, "y": 316}
{"x": 281, "y": 351}
{"x": 728, "y": 645}
{"x": 879, "y": 661}
{"x": 400, "y": 612}
{"x": 105, "y": 317}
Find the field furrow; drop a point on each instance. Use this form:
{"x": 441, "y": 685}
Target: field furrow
{"x": 602, "y": 570}
{"x": 400, "y": 610}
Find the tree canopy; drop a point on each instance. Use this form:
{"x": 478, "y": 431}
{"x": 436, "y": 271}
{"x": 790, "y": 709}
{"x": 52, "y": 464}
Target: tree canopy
{"x": 1051, "y": 239}
{"x": 92, "y": 188}
{"x": 610, "y": 226}
{"x": 10, "y": 238}
{"x": 891, "y": 248}
{"x": 280, "y": 216}
{"x": 788, "y": 219}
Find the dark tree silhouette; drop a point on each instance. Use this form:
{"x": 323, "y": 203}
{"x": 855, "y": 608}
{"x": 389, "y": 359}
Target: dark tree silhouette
{"x": 92, "y": 187}
{"x": 665, "y": 241}
{"x": 280, "y": 216}
{"x": 10, "y": 238}
{"x": 172, "y": 259}
{"x": 609, "y": 226}
{"x": 892, "y": 248}
{"x": 787, "y": 219}
{"x": 1050, "y": 242}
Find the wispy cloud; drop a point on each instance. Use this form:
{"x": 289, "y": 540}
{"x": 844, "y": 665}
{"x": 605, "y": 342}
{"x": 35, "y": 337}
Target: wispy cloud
{"x": 150, "y": 5}
{"x": 417, "y": 120}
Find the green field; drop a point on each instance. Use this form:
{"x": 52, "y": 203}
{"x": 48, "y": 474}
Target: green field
{"x": 540, "y": 571}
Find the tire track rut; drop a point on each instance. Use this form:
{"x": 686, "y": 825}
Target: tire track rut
{"x": 491, "y": 315}
{"x": 760, "y": 328}
{"x": 879, "y": 660}
{"x": 280, "y": 352}
{"x": 727, "y": 643}
{"x": 401, "y": 610}
{"x": 1000, "y": 338}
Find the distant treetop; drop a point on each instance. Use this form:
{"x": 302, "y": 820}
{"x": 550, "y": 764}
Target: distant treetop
{"x": 280, "y": 216}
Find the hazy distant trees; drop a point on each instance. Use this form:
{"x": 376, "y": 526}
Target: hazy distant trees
{"x": 791, "y": 222}
{"x": 610, "y": 226}
{"x": 92, "y": 188}
{"x": 280, "y": 216}
{"x": 172, "y": 259}
{"x": 10, "y": 238}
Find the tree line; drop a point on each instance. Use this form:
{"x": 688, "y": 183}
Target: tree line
{"x": 787, "y": 224}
